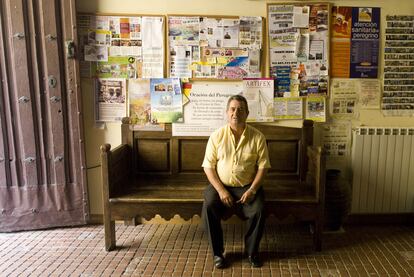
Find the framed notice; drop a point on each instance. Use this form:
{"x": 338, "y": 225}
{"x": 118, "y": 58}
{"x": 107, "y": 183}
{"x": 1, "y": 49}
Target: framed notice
{"x": 298, "y": 37}
{"x": 214, "y": 47}
{"x": 121, "y": 46}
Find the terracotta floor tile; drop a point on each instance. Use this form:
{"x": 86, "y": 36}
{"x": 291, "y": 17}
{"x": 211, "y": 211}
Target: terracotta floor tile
{"x": 182, "y": 250}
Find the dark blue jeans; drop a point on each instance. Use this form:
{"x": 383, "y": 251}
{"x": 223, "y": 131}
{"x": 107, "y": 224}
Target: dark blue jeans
{"x": 214, "y": 211}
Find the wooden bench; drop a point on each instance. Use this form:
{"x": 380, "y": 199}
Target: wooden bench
{"x": 153, "y": 172}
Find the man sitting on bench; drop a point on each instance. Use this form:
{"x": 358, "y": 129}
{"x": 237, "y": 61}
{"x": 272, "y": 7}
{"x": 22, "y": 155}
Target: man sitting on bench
{"x": 235, "y": 162}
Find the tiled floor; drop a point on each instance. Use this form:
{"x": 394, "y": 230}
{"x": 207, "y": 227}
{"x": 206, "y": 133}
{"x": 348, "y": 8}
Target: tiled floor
{"x": 182, "y": 250}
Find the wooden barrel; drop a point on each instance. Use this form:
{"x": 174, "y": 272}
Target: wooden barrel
{"x": 337, "y": 200}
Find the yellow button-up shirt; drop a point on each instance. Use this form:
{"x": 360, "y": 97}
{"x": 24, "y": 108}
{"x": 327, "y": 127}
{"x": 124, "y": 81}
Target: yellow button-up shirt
{"x": 236, "y": 165}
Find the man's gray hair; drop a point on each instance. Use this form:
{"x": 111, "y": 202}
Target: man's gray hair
{"x": 239, "y": 98}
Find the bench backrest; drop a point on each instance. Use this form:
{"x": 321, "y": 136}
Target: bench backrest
{"x": 159, "y": 154}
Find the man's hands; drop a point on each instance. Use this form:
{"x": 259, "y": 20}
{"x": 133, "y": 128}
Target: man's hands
{"x": 224, "y": 194}
{"x": 246, "y": 197}
{"x": 228, "y": 200}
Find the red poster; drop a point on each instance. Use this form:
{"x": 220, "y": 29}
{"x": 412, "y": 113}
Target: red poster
{"x": 341, "y": 42}
{"x": 124, "y": 26}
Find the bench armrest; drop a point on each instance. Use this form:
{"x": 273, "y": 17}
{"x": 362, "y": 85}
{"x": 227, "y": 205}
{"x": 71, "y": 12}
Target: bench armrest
{"x": 315, "y": 175}
{"x": 115, "y": 169}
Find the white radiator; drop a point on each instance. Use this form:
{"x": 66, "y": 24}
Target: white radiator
{"x": 383, "y": 170}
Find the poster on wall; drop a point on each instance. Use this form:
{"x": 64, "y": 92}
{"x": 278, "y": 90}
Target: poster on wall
{"x": 336, "y": 140}
{"x": 369, "y": 94}
{"x": 152, "y": 47}
{"x": 288, "y": 108}
{"x": 110, "y": 99}
{"x": 259, "y": 95}
{"x": 344, "y": 98}
{"x": 117, "y": 67}
{"x": 355, "y": 42}
{"x": 166, "y": 100}
{"x": 315, "y": 109}
{"x": 139, "y": 101}
{"x": 139, "y": 97}
{"x": 349, "y": 96}
{"x": 206, "y": 109}
{"x": 398, "y": 94}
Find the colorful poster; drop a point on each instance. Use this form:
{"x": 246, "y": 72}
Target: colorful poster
{"x": 259, "y": 95}
{"x": 110, "y": 102}
{"x": 355, "y": 42}
{"x": 116, "y": 67}
{"x": 282, "y": 82}
{"x": 341, "y": 41}
{"x": 139, "y": 101}
{"x": 99, "y": 37}
{"x": 219, "y": 48}
{"x": 316, "y": 109}
{"x": 166, "y": 100}
{"x": 184, "y": 30}
{"x": 365, "y": 35}
{"x": 224, "y": 63}
{"x": 124, "y": 27}
{"x": 140, "y": 106}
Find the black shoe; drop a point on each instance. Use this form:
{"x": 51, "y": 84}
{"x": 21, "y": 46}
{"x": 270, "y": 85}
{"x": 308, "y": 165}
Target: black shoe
{"x": 255, "y": 261}
{"x": 219, "y": 262}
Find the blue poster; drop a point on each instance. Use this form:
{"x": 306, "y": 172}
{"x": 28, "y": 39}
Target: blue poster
{"x": 365, "y": 35}
{"x": 166, "y": 100}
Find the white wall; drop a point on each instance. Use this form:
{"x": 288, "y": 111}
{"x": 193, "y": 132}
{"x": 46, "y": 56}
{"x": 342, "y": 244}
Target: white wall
{"x": 112, "y": 133}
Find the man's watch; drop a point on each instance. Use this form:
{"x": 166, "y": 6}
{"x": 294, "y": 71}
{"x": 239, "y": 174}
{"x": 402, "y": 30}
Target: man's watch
{"x": 253, "y": 191}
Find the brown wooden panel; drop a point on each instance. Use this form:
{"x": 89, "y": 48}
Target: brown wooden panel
{"x": 4, "y": 108}
{"x": 283, "y": 156}
{"x": 3, "y": 124}
{"x": 21, "y": 98}
{"x": 37, "y": 88}
{"x": 76, "y": 147}
{"x": 3, "y": 178}
{"x": 53, "y": 93}
{"x": 153, "y": 155}
{"x": 191, "y": 155}
{"x": 278, "y": 133}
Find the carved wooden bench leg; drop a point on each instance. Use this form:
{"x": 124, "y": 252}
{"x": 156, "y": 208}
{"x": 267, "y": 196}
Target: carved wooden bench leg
{"x": 109, "y": 226}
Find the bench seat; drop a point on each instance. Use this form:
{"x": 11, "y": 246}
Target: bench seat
{"x": 287, "y": 191}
